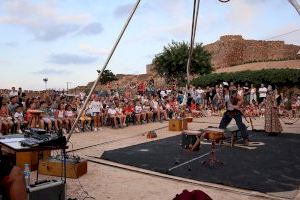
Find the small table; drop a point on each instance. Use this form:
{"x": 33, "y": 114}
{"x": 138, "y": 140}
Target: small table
{"x": 215, "y": 135}
{"x": 34, "y": 121}
{"x": 11, "y": 145}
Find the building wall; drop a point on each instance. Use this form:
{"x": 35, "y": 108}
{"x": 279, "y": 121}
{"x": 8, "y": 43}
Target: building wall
{"x": 234, "y": 50}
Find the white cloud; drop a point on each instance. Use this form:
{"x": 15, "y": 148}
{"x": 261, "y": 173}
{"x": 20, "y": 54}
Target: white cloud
{"x": 42, "y": 19}
{"x": 88, "y": 49}
{"x": 3, "y": 61}
{"x": 71, "y": 59}
{"x": 49, "y": 71}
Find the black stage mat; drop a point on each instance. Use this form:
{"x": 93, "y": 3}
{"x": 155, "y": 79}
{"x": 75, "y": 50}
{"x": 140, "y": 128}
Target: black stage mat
{"x": 272, "y": 165}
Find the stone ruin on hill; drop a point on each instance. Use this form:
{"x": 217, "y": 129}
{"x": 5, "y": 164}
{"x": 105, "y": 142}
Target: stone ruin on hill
{"x": 233, "y": 50}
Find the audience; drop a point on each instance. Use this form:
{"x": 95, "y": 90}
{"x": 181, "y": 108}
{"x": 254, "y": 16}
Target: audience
{"x": 135, "y": 103}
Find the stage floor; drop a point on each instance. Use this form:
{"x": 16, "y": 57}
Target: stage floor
{"x": 269, "y": 165}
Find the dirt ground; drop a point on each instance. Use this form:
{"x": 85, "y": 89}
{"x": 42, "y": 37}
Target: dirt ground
{"x": 107, "y": 180}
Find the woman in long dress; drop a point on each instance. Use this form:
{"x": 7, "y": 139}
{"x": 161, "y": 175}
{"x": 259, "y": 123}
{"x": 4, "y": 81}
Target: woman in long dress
{"x": 272, "y": 123}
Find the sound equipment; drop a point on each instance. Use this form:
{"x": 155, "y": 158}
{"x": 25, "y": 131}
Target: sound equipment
{"x": 35, "y": 130}
{"x": 178, "y": 124}
{"x": 47, "y": 190}
{"x": 75, "y": 167}
{"x": 34, "y": 139}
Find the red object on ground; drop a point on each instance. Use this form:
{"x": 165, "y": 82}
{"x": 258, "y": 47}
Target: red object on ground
{"x": 194, "y": 195}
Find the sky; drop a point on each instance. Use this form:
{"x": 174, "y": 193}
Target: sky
{"x": 68, "y": 40}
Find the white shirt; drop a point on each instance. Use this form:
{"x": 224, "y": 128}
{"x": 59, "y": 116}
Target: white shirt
{"x": 112, "y": 111}
{"x": 262, "y": 92}
{"x": 138, "y": 109}
{"x": 163, "y": 93}
{"x": 13, "y": 93}
{"x": 253, "y": 91}
{"x": 228, "y": 101}
{"x": 69, "y": 113}
{"x": 19, "y": 116}
{"x": 155, "y": 104}
{"x": 96, "y": 106}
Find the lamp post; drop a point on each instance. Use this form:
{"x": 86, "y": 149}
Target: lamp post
{"x": 45, "y": 80}
{"x": 68, "y": 86}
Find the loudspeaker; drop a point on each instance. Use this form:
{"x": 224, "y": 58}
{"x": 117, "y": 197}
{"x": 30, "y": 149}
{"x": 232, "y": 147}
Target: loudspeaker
{"x": 50, "y": 190}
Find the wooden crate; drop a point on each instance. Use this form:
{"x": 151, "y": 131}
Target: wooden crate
{"x": 184, "y": 124}
{"x": 175, "y": 125}
{"x": 54, "y": 167}
{"x": 178, "y": 124}
{"x": 189, "y": 119}
{"x": 31, "y": 158}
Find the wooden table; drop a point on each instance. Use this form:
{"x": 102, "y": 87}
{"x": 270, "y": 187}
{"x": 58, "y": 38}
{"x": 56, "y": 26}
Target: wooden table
{"x": 31, "y": 155}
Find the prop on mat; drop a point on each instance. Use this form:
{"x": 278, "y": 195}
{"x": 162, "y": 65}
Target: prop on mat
{"x": 151, "y": 134}
{"x": 194, "y": 195}
{"x": 192, "y": 139}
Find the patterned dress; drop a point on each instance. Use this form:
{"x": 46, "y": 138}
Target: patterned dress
{"x": 272, "y": 123}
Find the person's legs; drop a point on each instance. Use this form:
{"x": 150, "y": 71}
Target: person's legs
{"x": 144, "y": 117}
{"x": 242, "y": 127}
{"x": 55, "y": 124}
{"x": 225, "y": 120}
{"x": 138, "y": 118}
{"x": 158, "y": 115}
{"x": 42, "y": 124}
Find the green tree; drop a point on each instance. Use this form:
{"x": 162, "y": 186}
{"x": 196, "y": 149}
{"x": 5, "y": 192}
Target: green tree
{"x": 171, "y": 63}
{"x": 107, "y": 77}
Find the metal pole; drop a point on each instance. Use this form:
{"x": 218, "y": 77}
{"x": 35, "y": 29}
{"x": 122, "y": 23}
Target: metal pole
{"x": 104, "y": 66}
{"x": 193, "y": 34}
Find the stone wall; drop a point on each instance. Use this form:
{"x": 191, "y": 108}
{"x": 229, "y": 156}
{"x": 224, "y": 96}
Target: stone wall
{"x": 234, "y": 50}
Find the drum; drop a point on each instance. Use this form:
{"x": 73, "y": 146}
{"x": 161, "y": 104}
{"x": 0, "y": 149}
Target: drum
{"x": 214, "y": 134}
{"x": 189, "y": 139}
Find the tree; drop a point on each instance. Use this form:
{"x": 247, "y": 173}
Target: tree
{"x": 107, "y": 77}
{"x": 171, "y": 63}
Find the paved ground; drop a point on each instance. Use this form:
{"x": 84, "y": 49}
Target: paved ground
{"x": 106, "y": 180}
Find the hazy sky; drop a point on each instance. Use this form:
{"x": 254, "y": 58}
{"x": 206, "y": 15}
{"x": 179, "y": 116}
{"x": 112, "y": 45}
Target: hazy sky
{"x": 67, "y": 40}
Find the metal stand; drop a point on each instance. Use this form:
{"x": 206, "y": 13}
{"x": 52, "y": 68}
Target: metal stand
{"x": 212, "y": 160}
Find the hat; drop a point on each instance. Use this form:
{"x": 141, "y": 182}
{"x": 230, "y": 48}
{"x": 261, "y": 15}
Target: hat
{"x": 225, "y": 83}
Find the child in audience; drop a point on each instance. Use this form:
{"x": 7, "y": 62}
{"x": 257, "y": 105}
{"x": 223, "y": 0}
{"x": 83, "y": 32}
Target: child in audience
{"x": 19, "y": 118}
{"x": 6, "y": 119}
{"x": 112, "y": 113}
{"x": 96, "y": 107}
{"x": 139, "y": 114}
{"x": 70, "y": 117}
{"x": 147, "y": 110}
{"x": 85, "y": 119}
{"x": 120, "y": 115}
{"x": 59, "y": 115}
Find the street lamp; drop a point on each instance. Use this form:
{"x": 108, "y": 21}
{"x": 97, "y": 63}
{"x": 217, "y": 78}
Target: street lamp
{"x": 68, "y": 86}
{"x": 45, "y": 80}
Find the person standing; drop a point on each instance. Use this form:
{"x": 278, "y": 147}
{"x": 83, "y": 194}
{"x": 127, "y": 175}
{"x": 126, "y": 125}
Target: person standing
{"x": 233, "y": 103}
{"x": 272, "y": 123}
{"x": 253, "y": 96}
{"x": 262, "y": 91}
{"x": 13, "y": 92}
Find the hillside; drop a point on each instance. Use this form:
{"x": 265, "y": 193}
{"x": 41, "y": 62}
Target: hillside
{"x": 294, "y": 64}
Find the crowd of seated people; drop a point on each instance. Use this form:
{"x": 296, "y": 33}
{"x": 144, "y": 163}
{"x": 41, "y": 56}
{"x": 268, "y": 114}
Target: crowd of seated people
{"x": 135, "y": 103}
